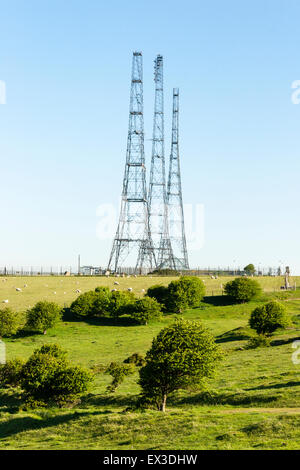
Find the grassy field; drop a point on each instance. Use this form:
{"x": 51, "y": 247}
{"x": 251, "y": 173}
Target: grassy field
{"x": 253, "y": 402}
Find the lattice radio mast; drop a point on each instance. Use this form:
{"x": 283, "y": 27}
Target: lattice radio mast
{"x": 174, "y": 194}
{"x": 157, "y": 198}
{"x": 132, "y": 239}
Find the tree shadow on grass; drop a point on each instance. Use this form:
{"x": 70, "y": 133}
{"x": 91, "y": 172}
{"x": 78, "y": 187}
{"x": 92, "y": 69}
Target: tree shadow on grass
{"x": 218, "y": 300}
{"x": 281, "y": 342}
{"x": 109, "y": 400}
{"x": 275, "y": 386}
{"x": 234, "y": 399}
{"x": 10, "y": 399}
{"x": 28, "y": 423}
{"x": 237, "y": 334}
{"x": 122, "y": 321}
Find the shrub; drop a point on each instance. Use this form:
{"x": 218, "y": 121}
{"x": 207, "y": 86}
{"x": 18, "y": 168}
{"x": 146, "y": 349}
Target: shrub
{"x": 102, "y": 289}
{"x": 186, "y": 292}
{"x": 137, "y": 359}
{"x": 144, "y": 310}
{"x": 165, "y": 272}
{"x": 259, "y": 341}
{"x": 249, "y": 269}
{"x": 83, "y": 306}
{"x": 10, "y": 373}
{"x": 43, "y": 315}
{"x": 267, "y": 318}
{"x": 10, "y": 322}
{"x": 243, "y": 289}
{"x": 120, "y": 302}
{"x": 47, "y": 376}
{"x": 161, "y": 294}
{"x": 101, "y": 304}
{"x": 118, "y": 372}
{"x": 181, "y": 356}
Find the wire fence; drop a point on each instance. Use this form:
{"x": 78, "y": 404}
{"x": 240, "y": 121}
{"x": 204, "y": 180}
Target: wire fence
{"x": 102, "y": 271}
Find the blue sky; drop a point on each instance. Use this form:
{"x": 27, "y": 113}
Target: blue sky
{"x": 63, "y": 130}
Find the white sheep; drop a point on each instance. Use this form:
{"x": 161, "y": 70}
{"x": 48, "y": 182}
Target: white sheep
{"x": 54, "y": 292}
{"x": 113, "y": 290}
{"x": 18, "y": 289}
{"x": 129, "y": 289}
{"x": 25, "y": 285}
{"x": 116, "y": 283}
{"x": 5, "y": 301}
{"x": 143, "y": 290}
{"x": 78, "y": 291}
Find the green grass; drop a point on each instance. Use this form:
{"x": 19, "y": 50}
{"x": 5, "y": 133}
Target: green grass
{"x": 253, "y": 402}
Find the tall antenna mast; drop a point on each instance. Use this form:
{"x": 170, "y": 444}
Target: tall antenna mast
{"x": 157, "y": 198}
{"x": 174, "y": 194}
{"x": 132, "y": 241}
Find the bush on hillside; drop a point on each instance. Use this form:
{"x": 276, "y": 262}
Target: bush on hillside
{"x": 243, "y": 289}
{"x": 10, "y": 373}
{"x": 144, "y": 310}
{"x": 120, "y": 303}
{"x": 10, "y": 322}
{"x": 258, "y": 341}
{"x": 161, "y": 294}
{"x": 43, "y": 315}
{"x": 137, "y": 359}
{"x": 83, "y": 306}
{"x": 267, "y": 318}
{"x": 118, "y": 372}
{"x": 186, "y": 292}
{"x": 47, "y": 376}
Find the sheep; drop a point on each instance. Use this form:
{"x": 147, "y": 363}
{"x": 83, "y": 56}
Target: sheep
{"x": 143, "y": 290}
{"x": 113, "y": 290}
{"x": 5, "y": 301}
{"x": 54, "y": 292}
{"x": 18, "y": 289}
{"x": 25, "y": 285}
{"x": 129, "y": 289}
{"x": 116, "y": 283}
{"x": 78, "y": 291}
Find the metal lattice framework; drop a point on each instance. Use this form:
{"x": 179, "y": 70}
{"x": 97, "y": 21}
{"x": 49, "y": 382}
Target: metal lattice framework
{"x": 132, "y": 241}
{"x": 174, "y": 194}
{"x": 157, "y": 197}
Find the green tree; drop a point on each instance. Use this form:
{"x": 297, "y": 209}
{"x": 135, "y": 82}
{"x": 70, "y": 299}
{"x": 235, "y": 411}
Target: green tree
{"x": 118, "y": 372}
{"x": 161, "y": 294}
{"x": 181, "y": 356}
{"x": 186, "y": 292}
{"x": 242, "y": 289}
{"x": 10, "y": 322}
{"x": 267, "y": 318}
{"x": 144, "y": 310}
{"x": 43, "y": 315}
{"x": 249, "y": 269}
{"x": 120, "y": 303}
{"x": 49, "y": 377}
{"x": 83, "y": 305}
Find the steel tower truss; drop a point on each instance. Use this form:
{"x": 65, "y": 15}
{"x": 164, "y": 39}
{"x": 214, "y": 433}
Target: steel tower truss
{"x": 174, "y": 194}
{"x": 157, "y": 197}
{"x": 132, "y": 241}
